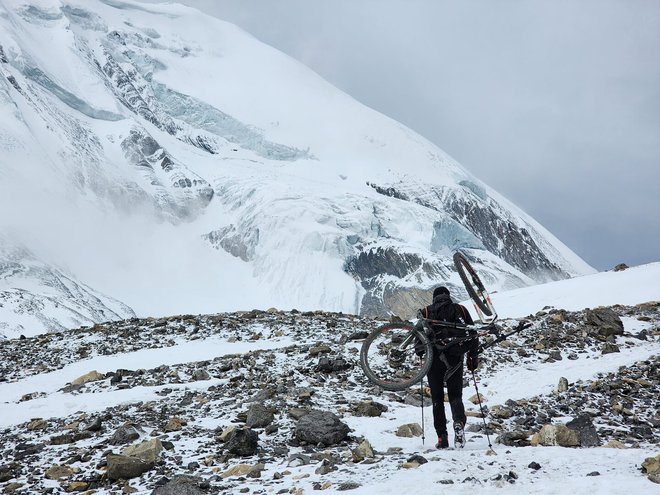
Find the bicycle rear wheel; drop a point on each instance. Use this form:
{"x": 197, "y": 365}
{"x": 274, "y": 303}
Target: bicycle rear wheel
{"x": 388, "y": 356}
{"x": 475, "y": 288}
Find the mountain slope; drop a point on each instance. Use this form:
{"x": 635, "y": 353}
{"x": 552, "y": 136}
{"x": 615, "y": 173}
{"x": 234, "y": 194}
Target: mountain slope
{"x": 147, "y": 129}
{"x": 179, "y": 385}
{"x": 36, "y": 297}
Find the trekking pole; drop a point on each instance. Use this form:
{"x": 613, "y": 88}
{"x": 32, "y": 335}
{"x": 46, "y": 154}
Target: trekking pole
{"x": 483, "y": 416}
{"x": 421, "y": 387}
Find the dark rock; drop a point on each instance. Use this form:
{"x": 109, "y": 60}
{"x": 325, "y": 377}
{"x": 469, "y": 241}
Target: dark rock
{"x": 23, "y": 450}
{"x": 8, "y": 472}
{"x": 585, "y": 427}
{"x": 124, "y": 467}
{"x": 321, "y": 427}
{"x": 594, "y": 473}
{"x": 513, "y": 439}
{"x": 418, "y": 459}
{"x": 262, "y": 395}
{"x": 181, "y": 485}
{"x": 330, "y": 365}
{"x": 259, "y": 416}
{"x": 359, "y": 335}
{"x": 604, "y": 320}
{"x": 95, "y": 425}
{"x": 326, "y": 467}
{"x": 370, "y": 409}
{"x": 200, "y": 375}
{"x": 348, "y": 485}
{"x": 242, "y": 442}
{"x": 609, "y": 347}
{"x": 534, "y": 465}
{"x": 124, "y": 434}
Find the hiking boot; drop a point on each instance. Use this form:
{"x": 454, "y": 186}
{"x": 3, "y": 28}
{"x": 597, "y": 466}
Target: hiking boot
{"x": 443, "y": 441}
{"x": 459, "y": 435}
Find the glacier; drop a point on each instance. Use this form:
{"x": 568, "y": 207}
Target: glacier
{"x": 173, "y": 161}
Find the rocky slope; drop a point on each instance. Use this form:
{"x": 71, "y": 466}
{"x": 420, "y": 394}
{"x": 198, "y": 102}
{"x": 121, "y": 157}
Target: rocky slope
{"x": 258, "y": 401}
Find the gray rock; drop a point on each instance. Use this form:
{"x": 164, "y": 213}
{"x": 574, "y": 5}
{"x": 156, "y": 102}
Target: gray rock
{"x": 348, "y": 485}
{"x": 200, "y": 375}
{"x": 563, "y": 385}
{"x": 125, "y": 467}
{"x": 585, "y": 427}
{"x": 321, "y": 427}
{"x": 146, "y": 451}
{"x": 124, "y": 434}
{"x": 605, "y": 321}
{"x": 95, "y": 425}
{"x": 513, "y": 439}
{"x": 369, "y": 408}
{"x": 259, "y": 416}
{"x": 551, "y": 435}
{"x": 180, "y": 485}
{"x": 609, "y": 347}
{"x": 243, "y": 442}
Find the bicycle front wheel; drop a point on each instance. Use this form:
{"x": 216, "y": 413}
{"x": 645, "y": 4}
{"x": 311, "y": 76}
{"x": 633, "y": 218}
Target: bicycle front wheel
{"x": 475, "y": 288}
{"x": 389, "y": 356}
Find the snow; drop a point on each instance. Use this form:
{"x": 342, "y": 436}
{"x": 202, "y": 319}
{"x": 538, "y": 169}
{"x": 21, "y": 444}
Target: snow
{"x": 60, "y": 404}
{"x": 631, "y": 286}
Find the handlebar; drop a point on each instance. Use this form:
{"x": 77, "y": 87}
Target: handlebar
{"x": 477, "y": 330}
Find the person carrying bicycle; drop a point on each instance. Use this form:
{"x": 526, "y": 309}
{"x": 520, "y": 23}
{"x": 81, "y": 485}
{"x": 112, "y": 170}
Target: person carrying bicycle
{"x": 447, "y": 365}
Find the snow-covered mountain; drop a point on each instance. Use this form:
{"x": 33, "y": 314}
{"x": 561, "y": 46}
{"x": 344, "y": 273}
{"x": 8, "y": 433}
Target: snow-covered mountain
{"x": 36, "y": 296}
{"x": 169, "y": 159}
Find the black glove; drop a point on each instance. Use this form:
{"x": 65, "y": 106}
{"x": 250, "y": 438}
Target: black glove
{"x": 472, "y": 362}
{"x": 419, "y": 349}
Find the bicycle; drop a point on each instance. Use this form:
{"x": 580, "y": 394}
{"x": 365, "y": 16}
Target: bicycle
{"x": 397, "y": 355}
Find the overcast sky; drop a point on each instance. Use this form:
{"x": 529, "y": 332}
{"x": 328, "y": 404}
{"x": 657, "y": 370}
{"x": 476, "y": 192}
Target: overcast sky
{"x": 554, "y": 103}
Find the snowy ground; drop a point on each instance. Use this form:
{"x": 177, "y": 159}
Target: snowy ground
{"x": 239, "y": 350}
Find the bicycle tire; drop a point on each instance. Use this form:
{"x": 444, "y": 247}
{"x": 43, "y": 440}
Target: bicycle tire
{"x": 376, "y": 352}
{"x": 473, "y": 285}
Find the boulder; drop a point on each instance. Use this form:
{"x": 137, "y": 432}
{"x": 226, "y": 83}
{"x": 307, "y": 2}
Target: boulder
{"x": 242, "y": 442}
{"x": 124, "y": 434}
{"x": 562, "y": 386}
{"x": 603, "y": 322}
{"x": 146, "y": 451}
{"x": 409, "y": 430}
{"x": 651, "y": 465}
{"x": 513, "y": 439}
{"x": 92, "y": 376}
{"x": 259, "y": 416}
{"x": 363, "y": 451}
{"x": 551, "y": 435}
{"x": 369, "y": 408}
{"x": 181, "y": 485}
{"x": 501, "y": 412}
{"x": 125, "y": 467}
{"x": 586, "y": 430}
{"x": 57, "y": 472}
{"x": 237, "y": 470}
{"x": 175, "y": 424}
{"x": 321, "y": 427}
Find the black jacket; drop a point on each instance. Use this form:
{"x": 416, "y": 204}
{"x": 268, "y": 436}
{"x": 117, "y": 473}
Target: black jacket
{"x": 444, "y": 309}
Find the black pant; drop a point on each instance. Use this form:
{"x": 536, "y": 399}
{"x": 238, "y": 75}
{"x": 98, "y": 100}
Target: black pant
{"x": 436, "y": 377}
